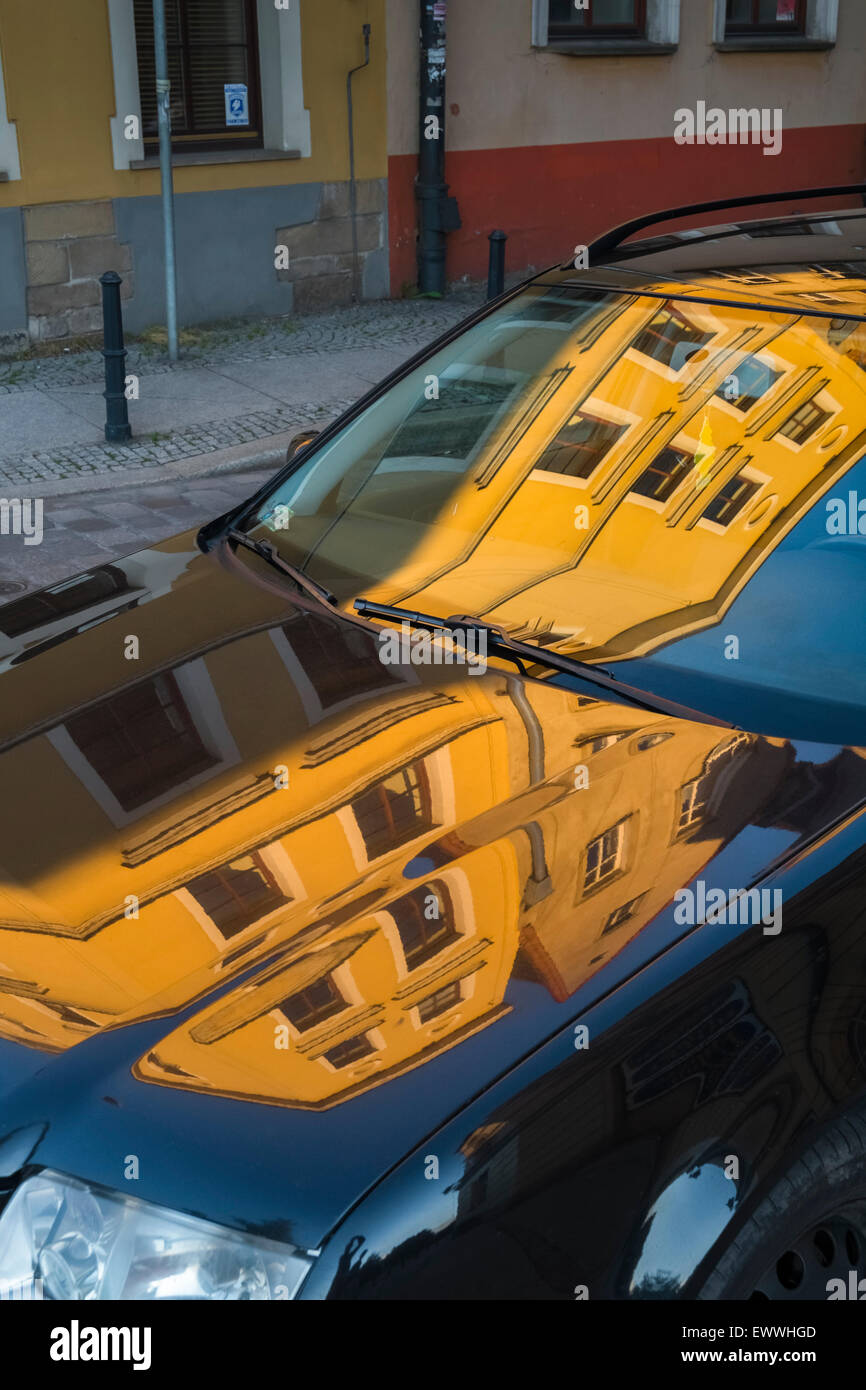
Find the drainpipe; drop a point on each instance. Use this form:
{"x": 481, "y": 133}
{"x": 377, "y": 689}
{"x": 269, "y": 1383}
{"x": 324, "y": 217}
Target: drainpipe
{"x": 353, "y": 201}
{"x": 163, "y": 107}
{"x": 539, "y": 885}
{"x": 437, "y": 213}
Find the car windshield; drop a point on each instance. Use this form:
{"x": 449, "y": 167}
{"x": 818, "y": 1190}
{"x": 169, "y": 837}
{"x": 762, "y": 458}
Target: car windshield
{"x": 669, "y": 487}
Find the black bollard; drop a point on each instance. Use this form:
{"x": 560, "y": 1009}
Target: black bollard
{"x": 496, "y": 264}
{"x": 117, "y": 429}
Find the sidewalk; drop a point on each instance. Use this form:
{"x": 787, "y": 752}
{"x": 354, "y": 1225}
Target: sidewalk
{"x": 234, "y": 400}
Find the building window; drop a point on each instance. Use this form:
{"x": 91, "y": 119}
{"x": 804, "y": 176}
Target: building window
{"x": 352, "y": 1050}
{"x": 806, "y": 419}
{"x": 598, "y": 19}
{"x": 606, "y": 26}
{"x": 730, "y": 500}
{"x": 142, "y": 743}
{"x": 395, "y": 811}
{"x": 670, "y": 338}
{"x": 238, "y": 893}
{"x": 779, "y": 24}
{"x": 622, "y": 914}
{"x": 310, "y": 1006}
{"x": 439, "y": 1002}
{"x": 579, "y": 447}
{"x": 765, "y": 17}
{"x": 604, "y": 856}
{"x": 750, "y": 381}
{"x": 212, "y": 45}
{"x": 425, "y": 922}
{"x": 663, "y": 476}
{"x": 10, "y": 162}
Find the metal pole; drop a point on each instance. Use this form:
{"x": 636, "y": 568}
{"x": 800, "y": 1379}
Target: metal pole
{"x": 117, "y": 429}
{"x": 496, "y": 264}
{"x": 163, "y": 105}
{"x": 353, "y": 202}
{"x": 431, "y": 189}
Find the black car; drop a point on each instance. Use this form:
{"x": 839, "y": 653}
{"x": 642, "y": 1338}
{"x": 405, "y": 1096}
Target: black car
{"x": 443, "y": 876}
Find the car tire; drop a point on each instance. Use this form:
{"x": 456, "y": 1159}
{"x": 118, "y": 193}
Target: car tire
{"x": 808, "y": 1229}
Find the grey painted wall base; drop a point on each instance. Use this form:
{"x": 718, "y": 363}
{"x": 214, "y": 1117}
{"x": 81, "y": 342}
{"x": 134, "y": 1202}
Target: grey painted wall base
{"x": 13, "y": 281}
{"x": 225, "y": 252}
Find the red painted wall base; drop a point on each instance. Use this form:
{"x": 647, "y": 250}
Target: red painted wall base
{"x": 549, "y": 198}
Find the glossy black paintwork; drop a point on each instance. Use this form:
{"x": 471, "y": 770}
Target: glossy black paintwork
{"x": 600, "y": 1173}
{"x": 557, "y": 1167}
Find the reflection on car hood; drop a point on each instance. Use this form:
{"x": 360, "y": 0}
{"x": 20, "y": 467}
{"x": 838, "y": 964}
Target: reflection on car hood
{"x": 271, "y": 910}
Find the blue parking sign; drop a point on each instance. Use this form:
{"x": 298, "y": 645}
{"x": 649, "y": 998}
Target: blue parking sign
{"x": 237, "y": 103}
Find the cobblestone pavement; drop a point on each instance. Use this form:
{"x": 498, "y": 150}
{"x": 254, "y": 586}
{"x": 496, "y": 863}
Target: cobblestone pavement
{"x": 93, "y": 528}
{"x": 296, "y": 371}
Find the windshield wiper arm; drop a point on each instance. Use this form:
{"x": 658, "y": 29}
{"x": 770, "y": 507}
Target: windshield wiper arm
{"x": 272, "y": 556}
{"x": 523, "y": 654}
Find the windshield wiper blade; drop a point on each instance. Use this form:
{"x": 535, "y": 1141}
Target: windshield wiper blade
{"x": 524, "y": 654}
{"x": 272, "y": 556}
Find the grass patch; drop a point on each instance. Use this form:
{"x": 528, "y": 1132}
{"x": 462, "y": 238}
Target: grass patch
{"x": 58, "y": 347}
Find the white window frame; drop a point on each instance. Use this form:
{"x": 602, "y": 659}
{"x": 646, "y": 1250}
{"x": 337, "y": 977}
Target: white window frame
{"x": 285, "y": 121}
{"x": 822, "y": 17}
{"x": 662, "y": 30}
{"x": 10, "y": 160}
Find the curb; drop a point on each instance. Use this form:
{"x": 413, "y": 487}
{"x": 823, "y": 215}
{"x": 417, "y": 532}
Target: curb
{"x": 236, "y": 459}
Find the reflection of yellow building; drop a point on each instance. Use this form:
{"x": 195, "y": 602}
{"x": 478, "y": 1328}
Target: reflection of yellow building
{"x": 629, "y": 488}
{"x": 370, "y": 852}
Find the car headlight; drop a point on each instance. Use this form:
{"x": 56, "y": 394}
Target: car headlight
{"x": 64, "y": 1239}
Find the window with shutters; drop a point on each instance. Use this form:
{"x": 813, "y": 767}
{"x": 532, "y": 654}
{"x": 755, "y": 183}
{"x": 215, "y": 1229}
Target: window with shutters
{"x": 212, "y": 45}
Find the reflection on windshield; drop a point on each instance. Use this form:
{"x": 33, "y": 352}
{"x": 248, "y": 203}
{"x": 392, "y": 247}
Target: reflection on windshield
{"x": 602, "y": 472}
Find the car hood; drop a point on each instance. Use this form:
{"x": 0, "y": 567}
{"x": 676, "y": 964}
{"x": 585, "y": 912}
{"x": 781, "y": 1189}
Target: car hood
{"x": 272, "y": 910}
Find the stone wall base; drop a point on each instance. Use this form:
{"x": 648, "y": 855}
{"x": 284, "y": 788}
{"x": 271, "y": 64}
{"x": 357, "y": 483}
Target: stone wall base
{"x": 226, "y": 268}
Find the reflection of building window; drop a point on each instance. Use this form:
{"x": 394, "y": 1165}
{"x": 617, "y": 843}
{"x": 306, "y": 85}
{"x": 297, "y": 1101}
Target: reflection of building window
{"x": 694, "y": 796}
{"x": 333, "y": 680}
{"x": 352, "y": 1050}
{"x": 579, "y": 447}
{"x": 72, "y": 596}
{"x": 669, "y": 338}
{"x": 730, "y": 499}
{"x": 604, "y": 856}
{"x": 395, "y": 811}
{"x": 210, "y": 43}
{"x": 313, "y": 1005}
{"x": 440, "y": 1002}
{"x": 748, "y": 382}
{"x": 784, "y": 17}
{"x": 599, "y": 743}
{"x": 142, "y": 742}
{"x": 664, "y": 475}
{"x": 425, "y": 921}
{"x": 236, "y": 894}
{"x": 622, "y": 914}
{"x": 597, "y": 19}
{"x": 806, "y": 419}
